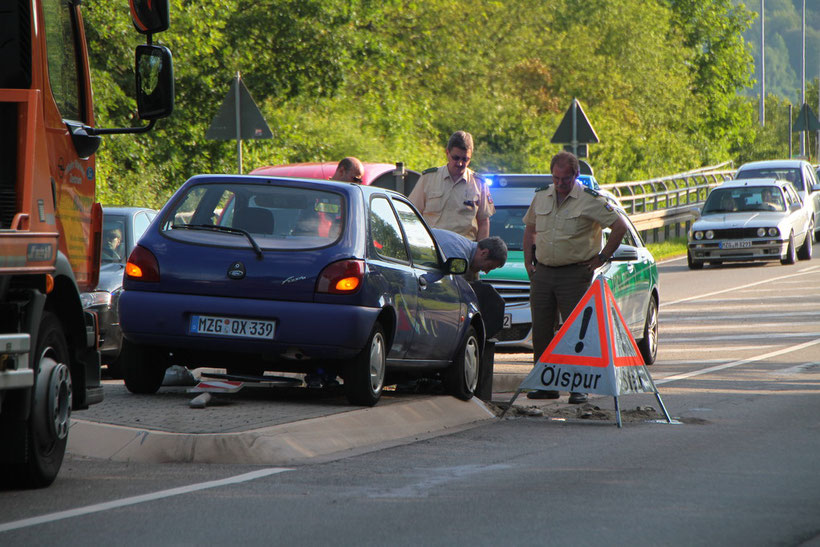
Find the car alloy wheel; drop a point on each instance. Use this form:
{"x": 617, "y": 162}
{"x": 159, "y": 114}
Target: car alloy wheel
{"x": 649, "y": 343}
{"x": 462, "y": 376}
{"x": 364, "y": 377}
{"x": 791, "y": 255}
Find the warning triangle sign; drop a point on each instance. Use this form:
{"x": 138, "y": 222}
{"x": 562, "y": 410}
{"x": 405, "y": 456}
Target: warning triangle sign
{"x": 593, "y": 352}
{"x": 575, "y": 126}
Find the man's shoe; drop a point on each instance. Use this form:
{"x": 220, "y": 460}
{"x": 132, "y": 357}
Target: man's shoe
{"x": 543, "y": 394}
{"x": 578, "y": 398}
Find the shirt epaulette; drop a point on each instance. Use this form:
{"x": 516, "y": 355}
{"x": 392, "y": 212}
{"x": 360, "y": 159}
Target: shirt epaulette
{"x": 542, "y": 188}
{"x": 431, "y": 170}
{"x": 591, "y": 191}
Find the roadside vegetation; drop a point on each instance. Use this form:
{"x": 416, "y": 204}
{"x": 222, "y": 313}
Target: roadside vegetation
{"x": 661, "y": 81}
{"x": 671, "y": 248}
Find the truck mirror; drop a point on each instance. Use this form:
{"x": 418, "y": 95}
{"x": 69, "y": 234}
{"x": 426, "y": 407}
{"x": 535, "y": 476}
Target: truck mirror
{"x": 149, "y": 16}
{"x": 155, "y": 82}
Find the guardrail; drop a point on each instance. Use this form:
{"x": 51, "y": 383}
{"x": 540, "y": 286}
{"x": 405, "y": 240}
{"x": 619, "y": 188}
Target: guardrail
{"x": 668, "y": 203}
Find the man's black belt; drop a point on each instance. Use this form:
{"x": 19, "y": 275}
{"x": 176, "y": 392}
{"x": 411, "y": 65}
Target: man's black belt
{"x": 562, "y": 266}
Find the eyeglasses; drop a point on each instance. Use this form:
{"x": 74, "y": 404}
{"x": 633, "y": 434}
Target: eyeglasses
{"x": 457, "y": 159}
{"x": 357, "y": 179}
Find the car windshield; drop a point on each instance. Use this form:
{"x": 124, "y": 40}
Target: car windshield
{"x": 275, "y": 217}
{"x": 508, "y": 224}
{"x": 747, "y": 198}
{"x": 791, "y": 174}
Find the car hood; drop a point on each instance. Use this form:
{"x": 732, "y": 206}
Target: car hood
{"x": 513, "y": 270}
{"x": 751, "y": 219}
{"x": 110, "y": 277}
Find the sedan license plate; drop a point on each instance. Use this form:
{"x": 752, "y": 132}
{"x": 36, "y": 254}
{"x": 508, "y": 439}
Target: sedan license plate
{"x": 229, "y": 326}
{"x": 742, "y": 244}
{"x": 507, "y": 321}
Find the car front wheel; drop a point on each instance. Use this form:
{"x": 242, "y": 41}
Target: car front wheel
{"x": 692, "y": 263}
{"x": 364, "y": 377}
{"x": 791, "y": 255}
{"x": 805, "y": 251}
{"x": 462, "y": 376}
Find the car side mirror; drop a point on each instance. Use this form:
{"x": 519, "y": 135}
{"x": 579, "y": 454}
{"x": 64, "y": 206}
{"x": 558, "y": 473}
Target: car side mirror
{"x": 796, "y": 206}
{"x": 695, "y": 212}
{"x": 625, "y": 253}
{"x": 455, "y": 265}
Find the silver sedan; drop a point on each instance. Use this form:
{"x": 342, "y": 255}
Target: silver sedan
{"x": 751, "y": 220}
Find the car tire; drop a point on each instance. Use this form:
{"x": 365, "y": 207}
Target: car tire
{"x": 805, "y": 251}
{"x": 462, "y": 377}
{"x": 692, "y": 263}
{"x": 143, "y": 369}
{"x": 791, "y": 255}
{"x": 46, "y": 429}
{"x": 649, "y": 343}
{"x": 115, "y": 368}
{"x": 364, "y": 375}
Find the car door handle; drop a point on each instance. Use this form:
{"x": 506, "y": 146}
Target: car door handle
{"x": 422, "y": 283}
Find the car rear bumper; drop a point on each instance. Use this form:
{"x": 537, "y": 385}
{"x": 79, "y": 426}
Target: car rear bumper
{"x": 303, "y": 330}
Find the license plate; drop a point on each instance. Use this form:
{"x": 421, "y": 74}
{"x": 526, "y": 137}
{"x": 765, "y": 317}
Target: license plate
{"x": 735, "y": 244}
{"x": 507, "y": 321}
{"x": 229, "y": 326}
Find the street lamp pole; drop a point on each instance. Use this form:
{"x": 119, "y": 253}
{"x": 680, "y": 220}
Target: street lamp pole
{"x": 762, "y": 63}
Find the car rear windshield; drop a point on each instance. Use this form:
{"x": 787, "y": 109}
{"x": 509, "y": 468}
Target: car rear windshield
{"x": 276, "y": 217}
{"x": 749, "y": 198}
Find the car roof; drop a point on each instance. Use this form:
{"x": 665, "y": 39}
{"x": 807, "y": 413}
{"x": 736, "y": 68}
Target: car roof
{"x": 517, "y": 196}
{"x": 772, "y": 164}
{"x": 740, "y": 183}
{"x": 322, "y": 170}
{"x": 124, "y": 210}
{"x": 531, "y": 180}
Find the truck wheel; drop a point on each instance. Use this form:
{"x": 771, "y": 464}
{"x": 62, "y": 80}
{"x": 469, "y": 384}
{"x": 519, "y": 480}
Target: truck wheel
{"x": 46, "y": 431}
{"x": 649, "y": 343}
{"x": 143, "y": 369}
{"x": 364, "y": 375}
{"x": 462, "y": 376}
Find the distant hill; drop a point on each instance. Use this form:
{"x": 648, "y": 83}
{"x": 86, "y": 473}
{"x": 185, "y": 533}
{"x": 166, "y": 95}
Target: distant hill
{"x": 783, "y": 27}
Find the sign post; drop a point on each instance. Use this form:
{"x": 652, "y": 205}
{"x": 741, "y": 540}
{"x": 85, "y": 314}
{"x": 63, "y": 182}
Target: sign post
{"x": 238, "y": 118}
{"x": 593, "y": 352}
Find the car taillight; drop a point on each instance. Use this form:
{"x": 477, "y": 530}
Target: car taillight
{"x": 142, "y": 265}
{"x": 343, "y": 277}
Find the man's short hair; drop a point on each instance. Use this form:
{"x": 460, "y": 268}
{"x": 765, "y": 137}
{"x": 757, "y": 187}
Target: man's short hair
{"x": 568, "y": 158}
{"x": 497, "y": 249}
{"x": 460, "y": 139}
{"x": 346, "y": 163}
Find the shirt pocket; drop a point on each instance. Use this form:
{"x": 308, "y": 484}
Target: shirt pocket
{"x": 542, "y": 216}
{"x": 569, "y": 224}
{"x": 434, "y": 202}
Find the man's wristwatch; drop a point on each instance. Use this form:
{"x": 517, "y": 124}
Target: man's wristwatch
{"x": 602, "y": 257}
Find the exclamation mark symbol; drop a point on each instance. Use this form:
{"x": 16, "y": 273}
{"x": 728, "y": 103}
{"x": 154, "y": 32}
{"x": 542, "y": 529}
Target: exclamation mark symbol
{"x": 584, "y": 324}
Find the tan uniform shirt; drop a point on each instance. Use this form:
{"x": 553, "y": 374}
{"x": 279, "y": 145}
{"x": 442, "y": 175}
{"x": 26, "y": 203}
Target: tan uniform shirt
{"x": 569, "y": 233}
{"x": 449, "y": 205}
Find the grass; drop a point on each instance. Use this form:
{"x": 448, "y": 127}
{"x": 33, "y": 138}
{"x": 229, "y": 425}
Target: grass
{"x": 668, "y": 249}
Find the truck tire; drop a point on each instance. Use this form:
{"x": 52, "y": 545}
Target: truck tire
{"x": 46, "y": 430}
{"x": 143, "y": 369}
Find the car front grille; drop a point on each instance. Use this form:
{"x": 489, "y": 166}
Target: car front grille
{"x": 736, "y": 233}
{"x": 513, "y": 292}
{"x": 516, "y": 332}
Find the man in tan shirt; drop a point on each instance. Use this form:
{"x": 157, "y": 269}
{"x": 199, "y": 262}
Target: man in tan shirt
{"x": 564, "y": 223}
{"x": 453, "y": 197}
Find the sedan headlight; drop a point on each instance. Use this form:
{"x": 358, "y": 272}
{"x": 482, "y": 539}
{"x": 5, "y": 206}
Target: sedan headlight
{"x": 698, "y": 235}
{"x": 710, "y": 234}
{"x": 761, "y": 232}
{"x": 96, "y": 298}
{"x": 774, "y": 232}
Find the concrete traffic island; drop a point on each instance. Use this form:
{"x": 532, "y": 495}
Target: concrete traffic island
{"x": 340, "y": 430}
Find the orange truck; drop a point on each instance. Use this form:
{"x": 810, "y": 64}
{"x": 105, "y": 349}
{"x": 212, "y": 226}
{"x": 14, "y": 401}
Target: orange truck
{"x": 50, "y": 223}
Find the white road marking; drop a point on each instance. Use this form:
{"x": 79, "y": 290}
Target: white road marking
{"x": 751, "y": 336}
{"x": 738, "y": 363}
{"x": 805, "y": 271}
{"x": 88, "y": 509}
{"x": 805, "y": 367}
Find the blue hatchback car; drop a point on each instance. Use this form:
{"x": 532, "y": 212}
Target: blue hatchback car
{"x": 255, "y": 274}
